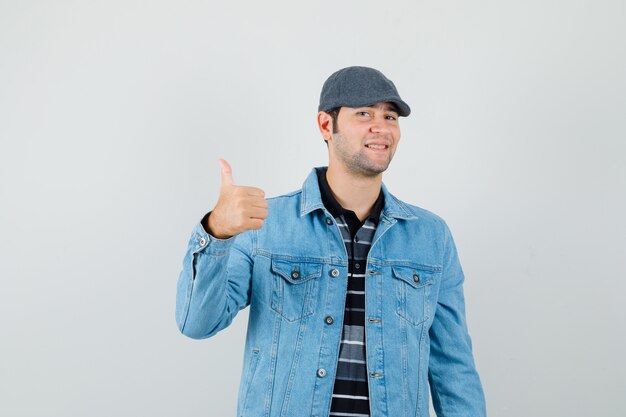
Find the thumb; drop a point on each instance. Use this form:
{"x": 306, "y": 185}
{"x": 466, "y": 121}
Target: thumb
{"x": 226, "y": 171}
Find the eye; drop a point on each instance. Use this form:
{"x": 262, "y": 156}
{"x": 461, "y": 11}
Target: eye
{"x": 362, "y": 113}
{"x": 391, "y": 117}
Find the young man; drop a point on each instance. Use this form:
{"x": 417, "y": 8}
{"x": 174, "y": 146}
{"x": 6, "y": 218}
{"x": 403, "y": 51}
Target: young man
{"x": 356, "y": 298}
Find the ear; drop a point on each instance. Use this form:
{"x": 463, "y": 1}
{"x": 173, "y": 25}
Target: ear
{"x": 325, "y": 124}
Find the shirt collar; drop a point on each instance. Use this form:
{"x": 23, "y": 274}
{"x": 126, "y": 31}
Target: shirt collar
{"x": 333, "y": 206}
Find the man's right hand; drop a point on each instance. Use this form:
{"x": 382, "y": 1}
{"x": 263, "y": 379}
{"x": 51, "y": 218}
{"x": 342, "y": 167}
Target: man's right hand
{"x": 238, "y": 208}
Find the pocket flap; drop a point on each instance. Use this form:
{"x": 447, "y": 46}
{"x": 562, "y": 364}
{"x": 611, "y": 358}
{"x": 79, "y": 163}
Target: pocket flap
{"x": 296, "y": 272}
{"x": 415, "y": 277}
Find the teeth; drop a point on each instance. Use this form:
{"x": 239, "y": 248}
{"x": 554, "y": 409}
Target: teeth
{"x": 376, "y": 146}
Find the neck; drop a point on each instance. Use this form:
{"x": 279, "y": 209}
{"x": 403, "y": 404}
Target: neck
{"x": 354, "y": 192}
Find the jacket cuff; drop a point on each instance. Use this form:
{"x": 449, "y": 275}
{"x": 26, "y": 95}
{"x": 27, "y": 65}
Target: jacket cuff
{"x": 203, "y": 241}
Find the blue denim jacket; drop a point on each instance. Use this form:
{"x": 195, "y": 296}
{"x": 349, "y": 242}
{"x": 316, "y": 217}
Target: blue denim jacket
{"x": 415, "y": 327}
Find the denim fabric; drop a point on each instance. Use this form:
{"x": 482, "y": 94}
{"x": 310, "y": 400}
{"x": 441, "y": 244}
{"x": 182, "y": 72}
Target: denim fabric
{"x": 293, "y": 274}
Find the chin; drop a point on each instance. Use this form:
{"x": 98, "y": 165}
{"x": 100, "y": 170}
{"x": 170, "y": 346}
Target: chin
{"x": 371, "y": 171}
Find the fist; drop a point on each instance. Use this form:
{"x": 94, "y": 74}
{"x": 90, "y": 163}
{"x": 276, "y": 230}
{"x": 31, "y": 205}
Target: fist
{"x": 238, "y": 208}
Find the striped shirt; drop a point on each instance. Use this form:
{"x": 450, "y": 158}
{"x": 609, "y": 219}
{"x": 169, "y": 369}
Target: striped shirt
{"x": 350, "y": 391}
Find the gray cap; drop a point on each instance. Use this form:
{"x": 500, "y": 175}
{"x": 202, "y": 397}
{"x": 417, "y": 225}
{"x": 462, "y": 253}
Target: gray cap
{"x": 360, "y": 87}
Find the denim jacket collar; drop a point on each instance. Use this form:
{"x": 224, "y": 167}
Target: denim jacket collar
{"x": 312, "y": 200}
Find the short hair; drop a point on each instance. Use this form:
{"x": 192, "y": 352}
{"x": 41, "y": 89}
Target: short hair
{"x": 334, "y": 113}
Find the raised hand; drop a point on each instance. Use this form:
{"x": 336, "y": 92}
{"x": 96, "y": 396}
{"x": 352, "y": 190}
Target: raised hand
{"x": 238, "y": 208}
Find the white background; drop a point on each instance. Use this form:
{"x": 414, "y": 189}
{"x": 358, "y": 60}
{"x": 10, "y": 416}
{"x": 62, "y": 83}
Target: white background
{"x": 113, "y": 115}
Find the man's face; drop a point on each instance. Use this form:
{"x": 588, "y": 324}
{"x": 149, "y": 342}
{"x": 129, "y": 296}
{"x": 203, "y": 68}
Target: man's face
{"x": 366, "y": 138}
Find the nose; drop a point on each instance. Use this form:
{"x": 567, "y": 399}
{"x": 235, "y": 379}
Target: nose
{"x": 379, "y": 125}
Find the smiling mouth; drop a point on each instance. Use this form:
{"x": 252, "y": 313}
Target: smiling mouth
{"x": 377, "y": 147}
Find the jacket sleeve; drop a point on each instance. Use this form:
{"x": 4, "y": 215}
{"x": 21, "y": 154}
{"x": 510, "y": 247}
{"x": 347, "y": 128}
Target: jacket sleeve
{"x": 454, "y": 382}
{"x": 214, "y": 283}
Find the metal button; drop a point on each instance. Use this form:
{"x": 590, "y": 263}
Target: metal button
{"x": 295, "y": 275}
{"x": 334, "y": 272}
{"x": 329, "y": 320}
{"x": 416, "y": 277}
{"x": 357, "y": 265}
{"x": 328, "y": 220}
{"x": 321, "y": 372}
{"x": 202, "y": 241}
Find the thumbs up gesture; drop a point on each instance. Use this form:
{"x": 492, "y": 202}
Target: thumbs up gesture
{"x": 238, "y": 208}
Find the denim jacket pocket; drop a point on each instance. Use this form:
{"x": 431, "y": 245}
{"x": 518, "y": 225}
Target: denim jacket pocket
{"x": 413, "y": 290}
{"x": 295, "y": 287}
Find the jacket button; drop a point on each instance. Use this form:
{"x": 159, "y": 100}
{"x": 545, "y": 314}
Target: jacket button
{"x": 321, "y": 372}
{"x": 334, "y": 272}
{"x": 295, "y": 275}
{"x": 416, "y": 277}
{"x": 329, "y": 320}
{"x": 202, "y": 241}
{"x": 329, "y": 221}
